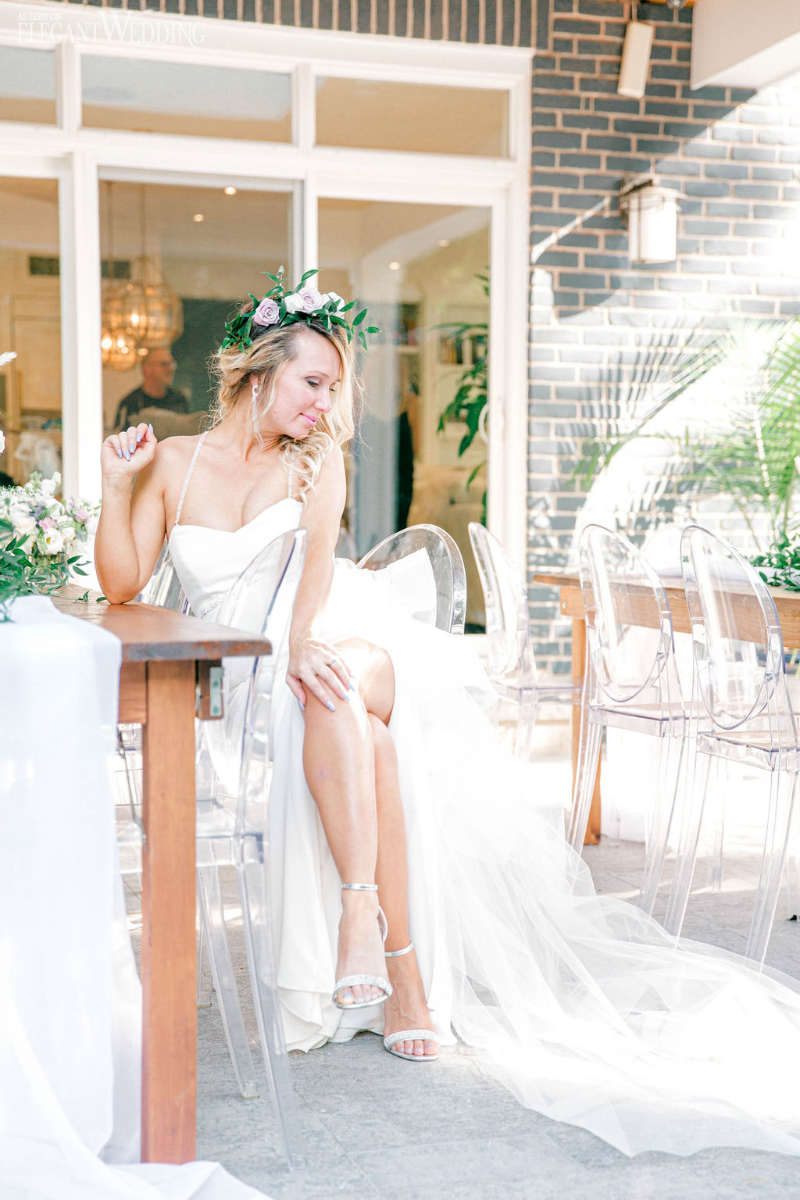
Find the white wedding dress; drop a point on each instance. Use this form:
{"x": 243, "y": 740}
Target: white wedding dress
{"x": 579, "y": 1003}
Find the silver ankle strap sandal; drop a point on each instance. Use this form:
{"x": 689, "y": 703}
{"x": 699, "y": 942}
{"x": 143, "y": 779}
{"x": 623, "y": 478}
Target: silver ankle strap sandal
{"x": 409, "y": 1035}
{"x": 376, "y": 981}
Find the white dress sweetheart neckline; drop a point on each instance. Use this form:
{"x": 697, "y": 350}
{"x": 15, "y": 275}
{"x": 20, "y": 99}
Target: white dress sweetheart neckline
{"x": 246, "y": 525}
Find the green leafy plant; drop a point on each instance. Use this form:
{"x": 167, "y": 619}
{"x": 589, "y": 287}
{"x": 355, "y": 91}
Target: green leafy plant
{"x": 751, "y": 457}
{"x": 472, "y": 387}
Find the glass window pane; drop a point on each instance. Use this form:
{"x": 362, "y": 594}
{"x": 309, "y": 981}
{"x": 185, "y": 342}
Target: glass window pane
{"x": 30, "y": 324}
{"x": 177, "y": 261}
{"x": 374, "y": 115}
{"x": 421, "y": 269}
{"x": 27, "y": 85}
{"x": 164, "y": 97}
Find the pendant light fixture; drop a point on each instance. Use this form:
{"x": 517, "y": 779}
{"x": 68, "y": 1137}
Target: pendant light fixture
{"x": 117, "y": 347}
{"x": 143, "y": 312}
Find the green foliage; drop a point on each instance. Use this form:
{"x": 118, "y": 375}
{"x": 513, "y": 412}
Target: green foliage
{"x": 751, "y": 458}
{"x": 780, "y": 566}
{"x": 472, "y": 388}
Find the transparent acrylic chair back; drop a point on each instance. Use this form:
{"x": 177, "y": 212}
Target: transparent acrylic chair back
{"x": 737, "y": 640}
{"x": 506, "y": 606}
{"x": 449, "y": 575}
{"x": 628, "y": 621}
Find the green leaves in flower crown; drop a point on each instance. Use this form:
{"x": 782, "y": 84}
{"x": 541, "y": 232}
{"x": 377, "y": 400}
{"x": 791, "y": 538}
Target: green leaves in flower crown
{"x": 282, "y": 308}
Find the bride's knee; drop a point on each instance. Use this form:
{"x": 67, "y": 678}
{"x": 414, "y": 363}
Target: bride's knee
{"x": 382, "y": 743}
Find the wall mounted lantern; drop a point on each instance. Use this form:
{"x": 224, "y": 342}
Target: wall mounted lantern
{"x": 652, "y": 215}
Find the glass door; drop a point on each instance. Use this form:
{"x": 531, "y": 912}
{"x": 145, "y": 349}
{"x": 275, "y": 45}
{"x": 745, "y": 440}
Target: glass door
{"x": 421, "y": 447}
{"x": 177, "y": 260}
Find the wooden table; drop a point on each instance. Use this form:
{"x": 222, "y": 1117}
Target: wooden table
{"x": 164, "y": 683}
{"x": 571, "y": 605}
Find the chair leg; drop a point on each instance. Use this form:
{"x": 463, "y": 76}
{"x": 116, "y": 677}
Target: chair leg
{"x": 204, "y": 985}
{"x": 213, "y": 918}
{"x": 691, "y": 820}
{"x": 662, "y": 813}
{"x": 261, "y": 964}
{"x": 526, "y": 724}
{"x": 588, "y": 756}
{"x": 783, "y": 786}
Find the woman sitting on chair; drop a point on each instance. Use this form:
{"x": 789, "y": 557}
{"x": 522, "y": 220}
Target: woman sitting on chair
{"x": 392, "y": 803}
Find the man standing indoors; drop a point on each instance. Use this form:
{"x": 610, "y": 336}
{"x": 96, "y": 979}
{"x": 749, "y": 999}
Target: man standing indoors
{"x": 158, "y": 371}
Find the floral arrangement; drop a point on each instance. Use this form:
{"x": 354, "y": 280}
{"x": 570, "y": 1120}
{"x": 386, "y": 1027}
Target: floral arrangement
{"x": 283, "y": 307}
{"x": 38, "y": 534}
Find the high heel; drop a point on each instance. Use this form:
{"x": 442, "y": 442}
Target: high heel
{"x": 409, "y": 1035}
{"x": 377, "y": 981}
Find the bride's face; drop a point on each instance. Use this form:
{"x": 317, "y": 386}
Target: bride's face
{"x": 306, "y": 387}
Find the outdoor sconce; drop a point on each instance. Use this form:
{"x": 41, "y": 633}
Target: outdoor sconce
{"x": 652, "y": 214}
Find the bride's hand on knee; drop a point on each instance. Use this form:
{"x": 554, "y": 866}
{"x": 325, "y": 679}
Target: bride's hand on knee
{"x": 317, "y": 669}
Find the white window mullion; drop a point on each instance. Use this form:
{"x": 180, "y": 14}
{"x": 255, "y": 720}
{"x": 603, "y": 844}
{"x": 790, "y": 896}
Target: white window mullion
{"x": 82, "y": 396}
{"x": 68, "y": 87}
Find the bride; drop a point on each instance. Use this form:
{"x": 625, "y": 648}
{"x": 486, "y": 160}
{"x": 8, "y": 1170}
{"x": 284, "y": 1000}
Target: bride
{"x": 395, "y": 813}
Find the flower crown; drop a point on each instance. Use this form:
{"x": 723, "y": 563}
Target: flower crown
{"x": 282, "y": 308}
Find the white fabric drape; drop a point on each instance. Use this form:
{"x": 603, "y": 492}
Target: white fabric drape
{"x": 69, "y": 997}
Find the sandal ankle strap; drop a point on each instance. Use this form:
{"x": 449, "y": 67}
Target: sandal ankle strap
{"x": 359, "y": 887}
{"x": 396, "y": 953}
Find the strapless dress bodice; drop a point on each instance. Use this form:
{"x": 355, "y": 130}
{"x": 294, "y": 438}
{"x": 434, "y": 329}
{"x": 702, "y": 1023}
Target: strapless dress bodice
{"x": 209, "y": 561}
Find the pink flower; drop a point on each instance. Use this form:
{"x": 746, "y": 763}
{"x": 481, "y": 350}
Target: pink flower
{"x": 267, "y": 312}
{"x": 47, "y": 523}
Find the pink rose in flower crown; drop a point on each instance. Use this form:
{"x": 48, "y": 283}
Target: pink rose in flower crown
{"x": 307, "y": 300}
{"x": 267, "y": 312}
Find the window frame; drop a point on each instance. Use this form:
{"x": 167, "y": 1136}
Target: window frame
{"x": 79, "y": 157}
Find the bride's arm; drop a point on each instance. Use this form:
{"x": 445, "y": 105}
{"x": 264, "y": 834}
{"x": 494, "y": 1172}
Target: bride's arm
{"x": 131, "y": 528}
{"x": 313, "y": 665}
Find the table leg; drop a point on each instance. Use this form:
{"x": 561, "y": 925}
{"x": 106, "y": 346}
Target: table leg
{"x": 578, "y": 667}
{"x": 169, "y": 966}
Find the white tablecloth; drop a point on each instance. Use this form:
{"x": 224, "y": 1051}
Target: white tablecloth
{"x": 70, "y": 1006}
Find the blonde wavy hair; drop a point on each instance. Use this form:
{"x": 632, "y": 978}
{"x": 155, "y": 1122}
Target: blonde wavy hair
{"x": 267, "y": 356}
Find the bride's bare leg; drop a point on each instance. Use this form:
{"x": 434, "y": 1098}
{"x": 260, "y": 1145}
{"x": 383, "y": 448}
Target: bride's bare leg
{"x": 406, "y": 1007}
{"x": 339, "y": 765}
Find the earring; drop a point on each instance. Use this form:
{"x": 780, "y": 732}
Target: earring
{"x": 255, "y": 392}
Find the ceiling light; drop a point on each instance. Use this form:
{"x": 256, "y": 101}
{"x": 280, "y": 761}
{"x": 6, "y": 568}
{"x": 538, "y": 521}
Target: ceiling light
{"x": 230, "y": 191}
{"x": 199, "y": 217}
{"x": 394, "y": 266}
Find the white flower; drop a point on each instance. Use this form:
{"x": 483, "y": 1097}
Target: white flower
{"x": 2, "y": 441}
{"x": 52, "y": 542}
{"x": 307, "y": 300}
{"x": 48, "y": 486}
{"x": 333, "y": 296}
{"x": 68, "y": 534}
{"x": 8, "y": 357}
{"x": 23, "y": 522}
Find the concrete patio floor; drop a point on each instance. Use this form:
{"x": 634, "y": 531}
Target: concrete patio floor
{"x": 375, "y": 1127}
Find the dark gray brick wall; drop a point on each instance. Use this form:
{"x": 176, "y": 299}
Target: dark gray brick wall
{"x": 733, "y": 154}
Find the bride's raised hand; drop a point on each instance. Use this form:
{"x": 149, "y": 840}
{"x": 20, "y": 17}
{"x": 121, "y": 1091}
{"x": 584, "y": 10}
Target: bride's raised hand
{"x": 317, "y": 668}
{"x": 126, "y": 453}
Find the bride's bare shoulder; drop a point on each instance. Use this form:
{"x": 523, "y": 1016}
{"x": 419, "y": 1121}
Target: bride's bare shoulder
{"x": 174, "y": 452}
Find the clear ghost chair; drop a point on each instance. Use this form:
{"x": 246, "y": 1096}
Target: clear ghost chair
{"x": 510, "y": 660}
{"x": 232, "y": 773}
{"x": 235, "y": 755}
{"x": 743, "y": 714}
{"x": 631, "y": 683}
{"x": 449, "y": 576}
